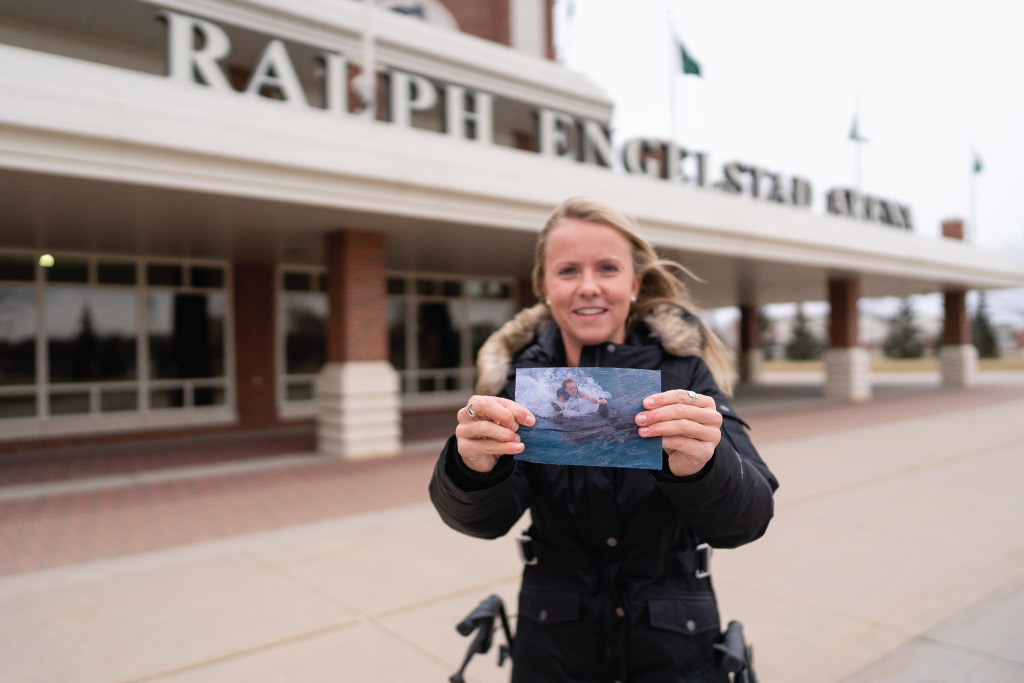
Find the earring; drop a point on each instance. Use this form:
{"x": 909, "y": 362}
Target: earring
{"x": 633, "y": 298}
{"x": 548, "y": 302}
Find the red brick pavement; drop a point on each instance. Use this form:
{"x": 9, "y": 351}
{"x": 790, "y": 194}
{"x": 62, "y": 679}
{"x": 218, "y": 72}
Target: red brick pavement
{"x": 68, "y": 528}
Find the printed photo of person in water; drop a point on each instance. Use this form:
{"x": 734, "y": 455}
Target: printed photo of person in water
{"x": 587, "y": 416}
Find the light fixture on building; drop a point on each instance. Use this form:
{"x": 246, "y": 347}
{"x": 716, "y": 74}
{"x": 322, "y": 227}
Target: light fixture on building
{"x": 46, "y": 260}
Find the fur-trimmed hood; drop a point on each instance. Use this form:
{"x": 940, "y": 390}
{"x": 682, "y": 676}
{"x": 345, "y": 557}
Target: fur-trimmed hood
{"x": 678, "y": 331}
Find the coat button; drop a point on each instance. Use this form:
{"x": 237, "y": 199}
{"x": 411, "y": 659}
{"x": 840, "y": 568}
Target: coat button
{"x": 619, "y": 612}
{"x": 610, "y": 348}
{"x": 690, "y": 625}
{"x": 543, "y": 616}
{"x": 612, "y": 542}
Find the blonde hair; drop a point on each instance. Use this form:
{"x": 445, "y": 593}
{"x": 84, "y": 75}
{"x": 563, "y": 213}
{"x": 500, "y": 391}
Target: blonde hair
{"x": 659, "y": 283}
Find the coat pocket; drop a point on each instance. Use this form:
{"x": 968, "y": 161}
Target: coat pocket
{"x": 689, "y": 615}
{"x": 549, "y": 607}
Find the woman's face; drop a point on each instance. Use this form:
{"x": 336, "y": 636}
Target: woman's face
{"x": 589, "y": 279}
{"x": 570, "y": 388}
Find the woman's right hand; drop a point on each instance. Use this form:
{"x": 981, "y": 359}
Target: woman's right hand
{"x": 492, "y": 433}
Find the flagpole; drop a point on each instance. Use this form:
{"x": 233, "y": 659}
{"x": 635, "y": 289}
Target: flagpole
{"x": 857, "y": 145}
{"x": 971, "y": 234}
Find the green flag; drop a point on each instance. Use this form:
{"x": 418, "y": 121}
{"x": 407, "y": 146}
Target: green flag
{"x": 978, "y": 167}
{"x": 855, "y": 133}
{"x": 689, "y": 64}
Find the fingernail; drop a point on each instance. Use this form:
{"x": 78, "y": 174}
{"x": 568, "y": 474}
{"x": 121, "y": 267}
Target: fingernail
{"x": 644, "y": 431}
{"x": 517, "y": 438}
{"x": 641, "y": 419}
{"x": 649, "y": 402}
{"x": 518, "y": 448}
{"x": 530, "y": 419}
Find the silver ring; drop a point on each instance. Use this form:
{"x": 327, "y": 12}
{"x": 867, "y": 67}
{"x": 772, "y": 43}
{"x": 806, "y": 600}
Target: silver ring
{"x": 469, "y": 409}
{"x": 693, "y": 396}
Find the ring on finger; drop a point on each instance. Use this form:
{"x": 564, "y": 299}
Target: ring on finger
{"x": 693, "y": 396}
{"x": 469, "y": 409}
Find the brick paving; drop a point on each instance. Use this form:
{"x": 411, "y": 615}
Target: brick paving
{"x": 63, "y": 528}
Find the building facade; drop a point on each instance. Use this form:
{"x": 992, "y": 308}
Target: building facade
{"x": 215, "y": 216}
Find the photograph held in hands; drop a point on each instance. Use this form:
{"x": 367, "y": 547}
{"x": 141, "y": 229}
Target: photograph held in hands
{"x": 587, "y": 416}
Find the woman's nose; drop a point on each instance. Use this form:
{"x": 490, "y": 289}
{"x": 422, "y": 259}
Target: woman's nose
{"x": 588, "y": 285}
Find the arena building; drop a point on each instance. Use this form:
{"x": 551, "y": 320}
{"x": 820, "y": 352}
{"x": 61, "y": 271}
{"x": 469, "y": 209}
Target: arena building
{"x": 214, "y": 217}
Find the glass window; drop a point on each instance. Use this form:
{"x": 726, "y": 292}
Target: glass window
{"x": 438, "y": 335}
{"x": 115, "y": 273}
{"x": 17, "y": 334}
{"x": 163, "y": 275}
{"x": 17, "y": 268}
{"x": 17, "y": 406}
{"x": 206, "y": 276}
{"x": 119, "y": 400}
{"x": 90, "y": 334}
{"x": 484, "y": 318}
{"x": 166, "y": 398}
{"x": 299, "y": 391}
{"x": 305, "y": 317}
{"x": 69, "y": 404}
{"x": 186, "y": 334}
{"x": 396, "y": 285}
{"x": 489, "y": 289}
{"x": 68, "y": 270}
{"x": 208, "y": 396}
{"x": 396, "y": 333}
{"x": 297, "y": 282}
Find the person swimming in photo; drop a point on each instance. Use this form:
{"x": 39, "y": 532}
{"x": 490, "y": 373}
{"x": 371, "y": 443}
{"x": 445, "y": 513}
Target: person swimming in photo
{"x": 569, "y": 392}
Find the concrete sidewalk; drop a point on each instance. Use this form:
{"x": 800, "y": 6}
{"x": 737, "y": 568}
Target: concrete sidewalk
{"x": 896, "y": 554}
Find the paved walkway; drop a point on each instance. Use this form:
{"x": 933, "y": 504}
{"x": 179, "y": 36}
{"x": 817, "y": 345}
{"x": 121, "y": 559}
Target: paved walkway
{"x": 897, "y": 553}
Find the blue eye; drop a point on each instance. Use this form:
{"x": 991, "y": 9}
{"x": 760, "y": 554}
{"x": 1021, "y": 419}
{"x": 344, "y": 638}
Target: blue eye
{"x": 609, "y": 268}
{"x": 566, "y": 271}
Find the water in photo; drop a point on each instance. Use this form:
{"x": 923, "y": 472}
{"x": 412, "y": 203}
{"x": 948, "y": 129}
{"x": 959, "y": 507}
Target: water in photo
{"x": 587, "y": 416}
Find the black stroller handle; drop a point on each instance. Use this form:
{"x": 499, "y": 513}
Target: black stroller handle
{"x": 481, "y": 620}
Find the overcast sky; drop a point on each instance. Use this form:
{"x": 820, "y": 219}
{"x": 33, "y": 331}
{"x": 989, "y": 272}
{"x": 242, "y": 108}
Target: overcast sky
{"x": 930, "y": 83}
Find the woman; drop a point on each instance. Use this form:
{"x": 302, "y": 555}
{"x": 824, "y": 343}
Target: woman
{"x": 618, "y": 591}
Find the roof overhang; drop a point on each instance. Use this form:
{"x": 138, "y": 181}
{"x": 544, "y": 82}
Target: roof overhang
{"x": 210, "y": 161}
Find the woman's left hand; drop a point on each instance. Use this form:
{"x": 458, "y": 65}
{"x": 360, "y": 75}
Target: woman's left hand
{"x": 689, "y": 425}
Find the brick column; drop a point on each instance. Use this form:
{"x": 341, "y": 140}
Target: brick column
{"x": 254, "y": 344}
{"x": 751, "y": 356}
{"x": 847, "y": 366}
{"x": 525, "y": 292}
{"x": 958, "y": 359}
{"x": 359, "y": 415}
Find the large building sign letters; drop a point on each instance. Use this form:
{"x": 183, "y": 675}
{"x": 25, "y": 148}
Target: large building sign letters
{"x": 196, "y": 47}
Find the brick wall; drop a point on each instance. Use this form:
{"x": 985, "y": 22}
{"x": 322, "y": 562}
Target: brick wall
{"x": 488, "y": 20}
{"x": 254, "y": 344}
{"x": 357, "y": 327}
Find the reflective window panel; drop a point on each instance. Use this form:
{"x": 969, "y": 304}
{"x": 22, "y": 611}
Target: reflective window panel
{"x": 91, "y": 334}
{"x": 17, "y": 334}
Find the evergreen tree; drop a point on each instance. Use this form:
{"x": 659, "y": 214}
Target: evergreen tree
{"x": 982, "y": 334}
{"x": 904, "y": 337}
{"x": 803, "y": 344}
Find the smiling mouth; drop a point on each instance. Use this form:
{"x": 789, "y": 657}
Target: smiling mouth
{"x": 589, "y": 311}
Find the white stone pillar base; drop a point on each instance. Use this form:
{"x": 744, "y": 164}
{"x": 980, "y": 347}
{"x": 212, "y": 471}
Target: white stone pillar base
{"x": 959, "y": 365}
{"x": 751, "y": 366}
{"x": 848, "y": 374}
{"x": 358, "y": 410}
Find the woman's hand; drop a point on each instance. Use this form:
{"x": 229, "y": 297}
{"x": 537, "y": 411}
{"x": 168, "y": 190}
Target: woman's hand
{"x": 690, "y": 427}
{"x": 487, "y": 430}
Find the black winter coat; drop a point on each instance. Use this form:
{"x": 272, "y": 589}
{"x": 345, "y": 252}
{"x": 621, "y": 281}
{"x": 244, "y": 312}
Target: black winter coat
{"x": 614, "y": 595}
